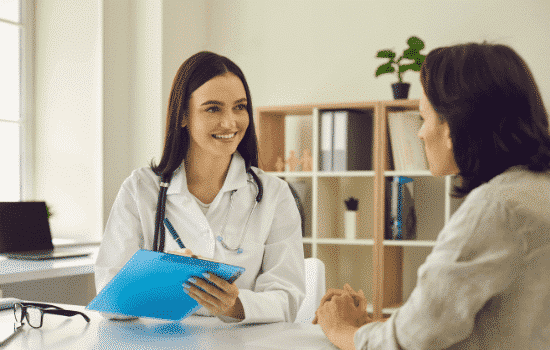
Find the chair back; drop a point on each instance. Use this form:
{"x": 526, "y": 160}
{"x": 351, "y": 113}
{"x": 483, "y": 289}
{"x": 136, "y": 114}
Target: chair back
{"x": 315, "y": 289}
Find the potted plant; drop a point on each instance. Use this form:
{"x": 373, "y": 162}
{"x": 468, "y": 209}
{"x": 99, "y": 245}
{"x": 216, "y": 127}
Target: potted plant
{"x": 401, "y": 89}
{"x": 350, "y": 217}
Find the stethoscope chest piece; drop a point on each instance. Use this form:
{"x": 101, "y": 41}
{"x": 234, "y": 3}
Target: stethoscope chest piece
{"x": 220, "y": 239}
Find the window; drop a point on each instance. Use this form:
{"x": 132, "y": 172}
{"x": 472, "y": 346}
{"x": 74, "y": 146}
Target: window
{"x": 15, "y": 72}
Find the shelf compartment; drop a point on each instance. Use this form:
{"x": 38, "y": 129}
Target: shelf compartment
{"x": 428, "y": 194}
{"x": 409, "y": 243}
{"x": 413, "y": 258}
{"x": 351, "y": 173}
{"x": 347, "y": 264}
{"x": 308, "y": 250}
{"x": 343, "y": 241}
{"x": 389, "y": 151}
{"x": 454, "y": 203}
{"x": 303, "y": 187}
{"x": 331, "y": 194}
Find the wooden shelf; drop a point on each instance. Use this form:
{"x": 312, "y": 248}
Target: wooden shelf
{"x": 411, "y": 243}
{"x": 384, "y": 269}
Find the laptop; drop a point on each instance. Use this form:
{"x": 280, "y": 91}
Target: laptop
{"x": 25, "y": 233}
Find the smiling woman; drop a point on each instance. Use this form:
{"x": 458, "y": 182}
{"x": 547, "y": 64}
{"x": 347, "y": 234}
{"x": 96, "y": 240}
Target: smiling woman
{"x": 217, "y": 122}
{"x": 209, "y": 187}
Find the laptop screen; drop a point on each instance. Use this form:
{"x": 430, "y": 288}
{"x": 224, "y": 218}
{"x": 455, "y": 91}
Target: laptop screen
{"x": 24, "y": 227}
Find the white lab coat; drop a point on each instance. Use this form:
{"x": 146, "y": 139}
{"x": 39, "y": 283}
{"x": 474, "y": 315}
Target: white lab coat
{"x": 273, "y": 286}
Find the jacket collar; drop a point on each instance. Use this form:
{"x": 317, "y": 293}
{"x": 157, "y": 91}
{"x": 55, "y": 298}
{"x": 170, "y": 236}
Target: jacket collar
{"x": 236, "y": 177}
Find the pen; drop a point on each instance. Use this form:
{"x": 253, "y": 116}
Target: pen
{"x": 173, "y": 232}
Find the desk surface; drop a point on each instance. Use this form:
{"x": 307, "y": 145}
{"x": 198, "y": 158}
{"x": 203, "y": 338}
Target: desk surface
{"x": 195, "y": 332}
{"x": 12, "y": 270}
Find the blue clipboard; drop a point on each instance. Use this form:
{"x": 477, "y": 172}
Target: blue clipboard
{"x": 150, "y": 285}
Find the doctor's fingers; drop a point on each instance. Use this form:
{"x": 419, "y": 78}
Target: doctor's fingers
{"x": 217, "y": 287}
{"x": 213, "y": 304}
{"x": 222, "y": 284}
{"x": 184, "y": 252}
{"x": 216, "y": 300}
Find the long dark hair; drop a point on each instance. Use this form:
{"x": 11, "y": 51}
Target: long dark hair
{"x": 496, "y": 117}
{"x": 192, "y": 74}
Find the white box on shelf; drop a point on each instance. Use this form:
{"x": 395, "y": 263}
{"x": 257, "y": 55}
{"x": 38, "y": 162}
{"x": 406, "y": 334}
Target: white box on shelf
{"x": 350, "y": 223}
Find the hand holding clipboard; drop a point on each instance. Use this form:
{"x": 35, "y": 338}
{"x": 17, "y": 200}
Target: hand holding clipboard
{"x": 211, "y": 291}
{"x": 150, "y": 285}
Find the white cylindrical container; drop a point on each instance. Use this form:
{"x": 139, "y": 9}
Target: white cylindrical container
{"x": 350, "y": 222}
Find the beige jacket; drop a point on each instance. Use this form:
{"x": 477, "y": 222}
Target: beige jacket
{"x": 486, "y": 283}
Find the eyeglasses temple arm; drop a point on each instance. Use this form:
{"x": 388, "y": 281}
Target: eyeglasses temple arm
{"x": 69, "y": 313}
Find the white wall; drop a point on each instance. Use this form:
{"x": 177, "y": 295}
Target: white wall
{"x": 312, "y": 51}
{"x": 184, "y": 33}
{"x": 104, "y": 69}
{"x": 68, "y": 105}
{"x": 117, "y": 81}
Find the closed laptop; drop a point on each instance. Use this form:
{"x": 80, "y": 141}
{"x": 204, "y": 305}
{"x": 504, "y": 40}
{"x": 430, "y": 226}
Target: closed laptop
{"x": 25, "y": 233}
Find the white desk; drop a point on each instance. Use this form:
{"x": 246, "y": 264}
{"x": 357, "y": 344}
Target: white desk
{"x": 57, "y": 280}
{"x": 195, "y": 332}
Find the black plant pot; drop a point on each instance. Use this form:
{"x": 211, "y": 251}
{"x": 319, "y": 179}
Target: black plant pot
{"x": 400, "y": 90}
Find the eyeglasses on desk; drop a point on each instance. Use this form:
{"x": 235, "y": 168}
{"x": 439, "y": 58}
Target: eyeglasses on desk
{"x": 34, "y": 313}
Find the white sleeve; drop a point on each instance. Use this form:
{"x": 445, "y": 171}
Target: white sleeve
{"x": 122, "y": 237}
{"x": 476, "y": 256}
{"x": 280, "y": 286}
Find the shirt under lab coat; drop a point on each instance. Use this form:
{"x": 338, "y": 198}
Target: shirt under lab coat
{"x": 486, "y": 283}
{"x": 273, "y": 286}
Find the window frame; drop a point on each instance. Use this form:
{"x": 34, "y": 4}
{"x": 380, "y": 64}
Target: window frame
{"x": 27, "y": 116}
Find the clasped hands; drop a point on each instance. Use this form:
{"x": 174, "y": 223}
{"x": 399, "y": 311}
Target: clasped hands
{"x": 220, "y": 297}
{"x": 340, "y": 313}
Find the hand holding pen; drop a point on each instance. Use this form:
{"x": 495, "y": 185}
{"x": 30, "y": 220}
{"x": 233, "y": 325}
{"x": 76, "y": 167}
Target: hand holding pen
{"x": 214, "y": 293}
{"x": 183, "y": 251}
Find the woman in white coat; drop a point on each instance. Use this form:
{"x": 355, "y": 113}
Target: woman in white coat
{"x": 486, "y": 283}
{"x": 222, "y": 206}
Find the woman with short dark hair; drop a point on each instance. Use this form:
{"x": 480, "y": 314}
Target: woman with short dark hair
{"x": 489, "y": 99}
{"x": 486, "y": 283}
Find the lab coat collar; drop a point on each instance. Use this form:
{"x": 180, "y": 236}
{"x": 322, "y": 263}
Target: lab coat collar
{"x": 236, "y": 177}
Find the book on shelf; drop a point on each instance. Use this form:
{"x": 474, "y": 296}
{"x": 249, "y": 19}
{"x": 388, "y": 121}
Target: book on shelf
{"x": 407, "y": 148}
{"x": 345, "y": 140}
{"x": 325, "y": 140}
{"x": 400, "y": 212}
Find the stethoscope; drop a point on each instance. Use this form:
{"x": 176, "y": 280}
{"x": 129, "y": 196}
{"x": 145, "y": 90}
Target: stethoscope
{"x": 158, "y": 242}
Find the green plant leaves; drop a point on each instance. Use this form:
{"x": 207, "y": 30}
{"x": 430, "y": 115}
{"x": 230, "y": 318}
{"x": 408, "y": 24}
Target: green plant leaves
{"x": 385, "y": 68}
{"x": 412, "y": 53}
{"x": 413, "y": 66}
{"x": 415, "y": 43}
{"x": 386, "y": 54}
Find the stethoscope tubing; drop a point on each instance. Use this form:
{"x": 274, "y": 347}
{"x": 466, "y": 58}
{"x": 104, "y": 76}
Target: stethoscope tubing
{"x": 159, "y": 238}
{"x": 220, "y": 237}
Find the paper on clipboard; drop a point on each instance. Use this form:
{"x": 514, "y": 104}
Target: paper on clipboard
{"x": 150, "y": 285}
